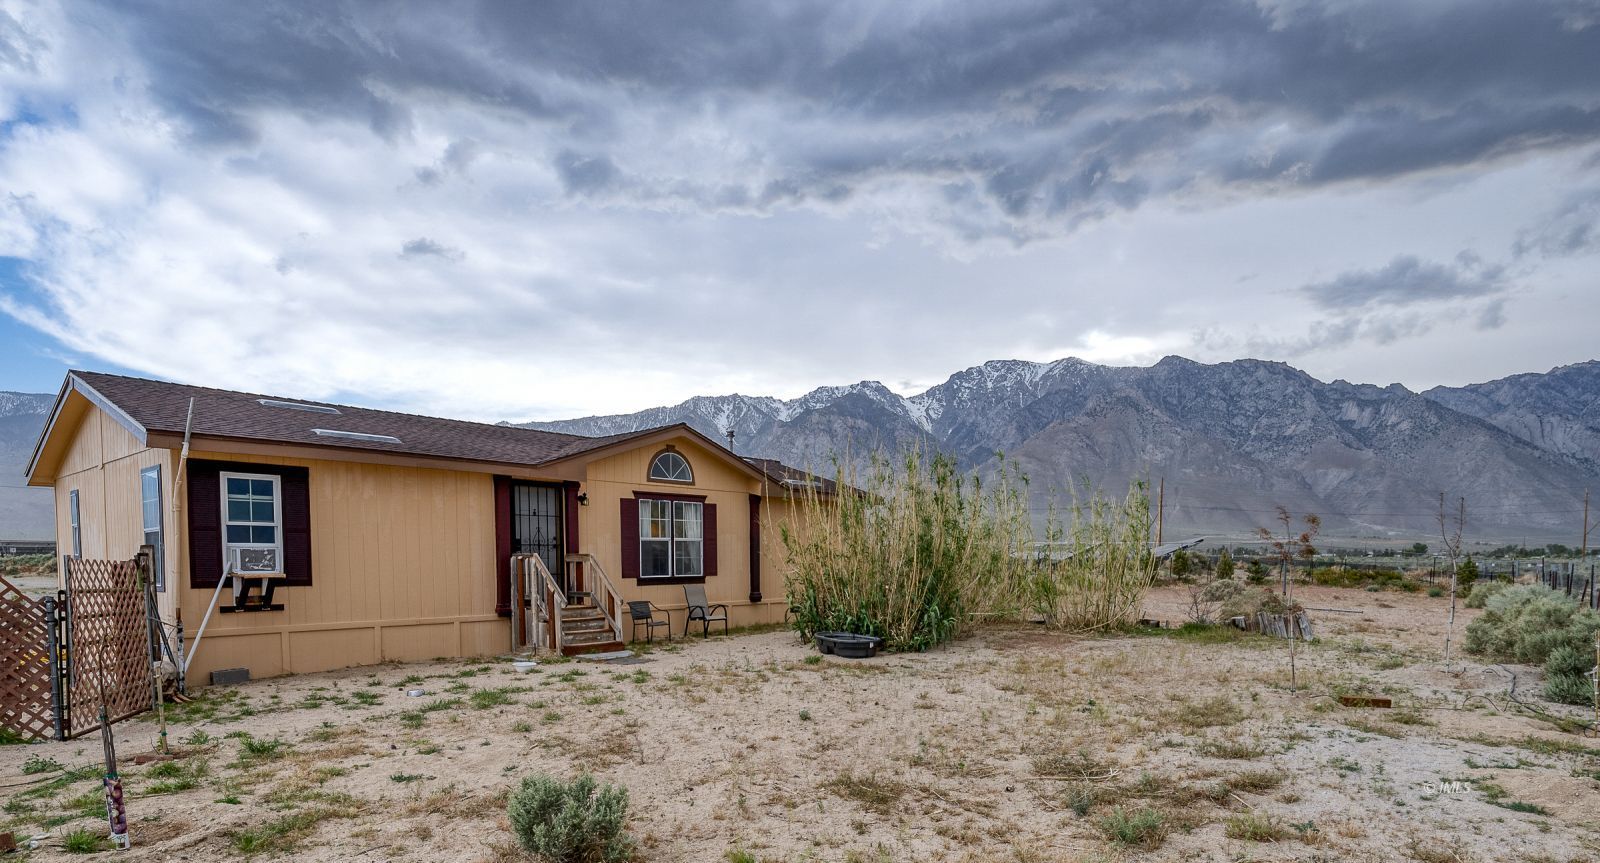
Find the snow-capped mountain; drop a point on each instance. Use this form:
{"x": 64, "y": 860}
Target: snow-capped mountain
{"x": 25, "y": 513}
{"x": 1233, "y": 440}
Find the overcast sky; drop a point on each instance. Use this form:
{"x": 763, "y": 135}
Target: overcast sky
{"x": 500, "y": 211}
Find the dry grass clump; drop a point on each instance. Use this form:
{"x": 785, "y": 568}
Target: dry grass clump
{"x": 1255, "y": 781}
{"x": 1253, "y": 827}
{"x": 1140, "y": 828}
{"x": 1210, "y": 713}
{"x": 1437, "y": 850}
{"x": 1077, "y": 764}
{"x": 872, "y": 792}
{"x": 284, "y": 833}
{"x": 1232, "y": 749}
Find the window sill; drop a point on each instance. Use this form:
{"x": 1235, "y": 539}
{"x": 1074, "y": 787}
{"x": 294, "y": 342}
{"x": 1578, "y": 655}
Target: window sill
{"x": 648, "y": 580}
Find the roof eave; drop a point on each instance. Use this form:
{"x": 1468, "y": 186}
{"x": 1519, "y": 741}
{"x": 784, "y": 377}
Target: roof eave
{"x": 75, "y": 384}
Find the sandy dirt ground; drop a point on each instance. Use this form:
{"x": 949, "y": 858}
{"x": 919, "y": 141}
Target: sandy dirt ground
{"x": 1014, "y": 744}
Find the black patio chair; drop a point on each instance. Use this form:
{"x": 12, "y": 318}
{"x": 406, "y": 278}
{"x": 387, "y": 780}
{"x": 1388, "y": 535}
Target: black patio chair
{"x": 694, "y": 596}
{"x": 643, "y": 613}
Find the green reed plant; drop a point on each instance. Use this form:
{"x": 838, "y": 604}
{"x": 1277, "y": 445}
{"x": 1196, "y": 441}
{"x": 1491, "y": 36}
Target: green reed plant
{"x": 909, "y": 551}
{"x": 1095, "y": 566}
{"x": 913, "y": 550}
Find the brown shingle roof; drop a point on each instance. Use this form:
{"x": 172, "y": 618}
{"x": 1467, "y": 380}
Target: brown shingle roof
{"x": 160, "y": 406}
{"x": 792, "y": 477}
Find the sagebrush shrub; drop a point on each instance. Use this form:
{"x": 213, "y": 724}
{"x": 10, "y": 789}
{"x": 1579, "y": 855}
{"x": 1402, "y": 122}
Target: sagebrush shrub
{"x": 571, "y": 822}
{"x": 1535, "y": 625}
{"x": 1482, "y": 593}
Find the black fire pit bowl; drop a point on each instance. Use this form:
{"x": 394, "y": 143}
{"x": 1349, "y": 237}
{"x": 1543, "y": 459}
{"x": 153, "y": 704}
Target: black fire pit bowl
{"x": 848, "y": 644}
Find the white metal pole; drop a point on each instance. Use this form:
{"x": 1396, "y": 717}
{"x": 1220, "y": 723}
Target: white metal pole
{"x": 189, "y": 660}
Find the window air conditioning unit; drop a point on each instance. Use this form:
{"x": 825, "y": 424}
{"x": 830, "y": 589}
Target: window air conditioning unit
{"x": 254, "y": 561}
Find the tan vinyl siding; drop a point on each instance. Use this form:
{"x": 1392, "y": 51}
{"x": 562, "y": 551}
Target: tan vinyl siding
{"x": 402, "y": 569}
{"x": 619, "y": 476}
{"x": 102, "y": 463}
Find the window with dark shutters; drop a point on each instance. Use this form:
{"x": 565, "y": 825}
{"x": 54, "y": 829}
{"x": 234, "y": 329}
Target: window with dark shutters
{"x": 205, "y": 519}
{"x": 668, "y": 538}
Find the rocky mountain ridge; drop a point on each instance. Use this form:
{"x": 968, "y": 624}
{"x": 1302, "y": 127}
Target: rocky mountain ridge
{"x": 1232, "y": 440}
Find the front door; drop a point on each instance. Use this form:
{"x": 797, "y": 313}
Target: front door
{"x": 536, "y": 525}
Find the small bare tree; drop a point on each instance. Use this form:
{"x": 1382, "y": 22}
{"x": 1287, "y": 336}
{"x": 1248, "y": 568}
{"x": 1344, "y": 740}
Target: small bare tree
{"x": 1452, "y": 547}
{"x": 1285, "y": 548}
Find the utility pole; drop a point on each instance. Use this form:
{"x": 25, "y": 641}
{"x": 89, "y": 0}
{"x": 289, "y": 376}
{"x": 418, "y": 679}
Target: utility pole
{"x": 1161, "y": 510}
{"x": 1583, "y": 547}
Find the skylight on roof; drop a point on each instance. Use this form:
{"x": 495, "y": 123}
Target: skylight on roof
{"x": 361, "y": 436}
{"x": 297, "y": 406}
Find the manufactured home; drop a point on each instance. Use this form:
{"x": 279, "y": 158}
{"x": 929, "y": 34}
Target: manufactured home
{"x": 317, "y": 536}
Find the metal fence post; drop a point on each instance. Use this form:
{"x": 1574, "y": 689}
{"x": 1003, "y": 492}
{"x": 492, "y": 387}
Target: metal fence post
{"x": 52, "y": 642}
{"x": 67, "y": 644}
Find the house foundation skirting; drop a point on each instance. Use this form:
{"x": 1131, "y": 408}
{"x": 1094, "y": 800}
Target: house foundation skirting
{"x": 269, "y": 651}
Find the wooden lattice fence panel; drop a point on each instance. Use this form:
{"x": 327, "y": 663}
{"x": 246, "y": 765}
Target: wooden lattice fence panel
{"x": 108, "y": 643}
{"x": 24, "y": 665}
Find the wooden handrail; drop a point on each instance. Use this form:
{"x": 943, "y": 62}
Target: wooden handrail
{"x": 613, "y": 596}
{"x": 557, "y": 596}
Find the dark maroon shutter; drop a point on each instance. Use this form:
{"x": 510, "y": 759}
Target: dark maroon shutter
{"x": 755, "y": 548}
{"x": 573, "y": 547}
{"x": 630, "y": 537}
{"x": 502, "y": 545}
{"x": 711, "y": 540}
{"x": 204, "y": 485}
{"x": 295, "y": 489}
{"x": 205, "y": 524}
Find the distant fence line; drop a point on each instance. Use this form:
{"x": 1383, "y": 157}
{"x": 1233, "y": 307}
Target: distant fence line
{"x": 19, "y": 547}
{"x": 1579, "y": 581}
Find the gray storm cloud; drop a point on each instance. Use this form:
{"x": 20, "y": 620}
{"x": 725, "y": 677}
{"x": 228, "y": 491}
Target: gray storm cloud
{"x": 1053, "y": 112}
{"x": 498, "y": 209}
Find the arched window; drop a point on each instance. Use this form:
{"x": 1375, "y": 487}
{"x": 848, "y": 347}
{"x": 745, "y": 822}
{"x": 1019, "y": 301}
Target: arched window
{"x": 670, "y": 467}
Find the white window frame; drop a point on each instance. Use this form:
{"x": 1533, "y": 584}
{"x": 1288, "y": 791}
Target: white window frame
{"x": 651, "y": 474}
{"x": 75, "y": 518}
{"x": 672, "y": 539}
{"x": 159, "y": 565}
{"x": 277, "y": 514}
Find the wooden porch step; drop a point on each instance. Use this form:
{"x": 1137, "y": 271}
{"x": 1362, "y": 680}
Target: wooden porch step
{"x": 575, "y": 648}
{"x": 589, "y": 636}
{"x": 586, "y": 626}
